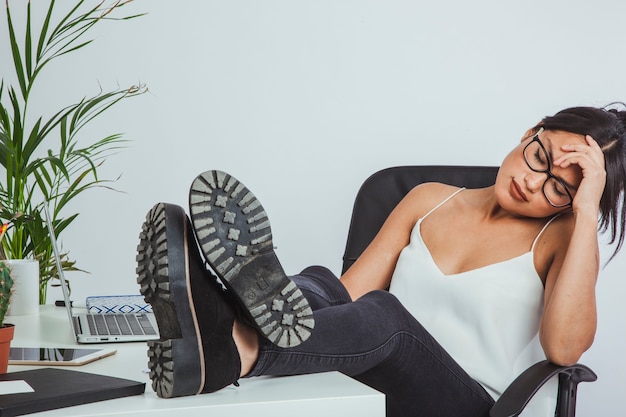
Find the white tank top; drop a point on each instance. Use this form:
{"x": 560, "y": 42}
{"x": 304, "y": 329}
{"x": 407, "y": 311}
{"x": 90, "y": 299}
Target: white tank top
{"x": 487, "y": 319}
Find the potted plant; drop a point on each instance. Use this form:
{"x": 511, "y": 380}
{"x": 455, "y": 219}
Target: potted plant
{"x": 42, "y": 156}
{"x": 24, "y": 278}
{"x": 6, "y": 329}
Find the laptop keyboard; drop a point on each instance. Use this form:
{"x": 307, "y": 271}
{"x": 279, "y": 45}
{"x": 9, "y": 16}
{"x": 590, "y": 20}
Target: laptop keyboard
{"x": 120, "y": 324}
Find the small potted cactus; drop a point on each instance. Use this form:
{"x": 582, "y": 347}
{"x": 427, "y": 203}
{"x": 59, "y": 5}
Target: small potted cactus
{"x": 6, "y": 330}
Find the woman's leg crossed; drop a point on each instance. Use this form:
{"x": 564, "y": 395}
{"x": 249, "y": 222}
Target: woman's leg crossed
{"x": 376, "y": 341}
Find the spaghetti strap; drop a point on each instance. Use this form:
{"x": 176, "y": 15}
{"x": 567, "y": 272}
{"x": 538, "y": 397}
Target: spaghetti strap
{"x": 545, "y": 226}
{"x": 443, "y": 202}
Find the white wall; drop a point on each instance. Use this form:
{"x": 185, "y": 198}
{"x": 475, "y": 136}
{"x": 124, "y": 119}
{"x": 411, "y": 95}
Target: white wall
{"x": 302, "y": 100}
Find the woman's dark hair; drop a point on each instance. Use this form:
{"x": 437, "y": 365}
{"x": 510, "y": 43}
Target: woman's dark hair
{"x": 607, "y": 126}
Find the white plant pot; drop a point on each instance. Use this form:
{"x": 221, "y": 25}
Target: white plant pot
{"x": 25, "y": 292}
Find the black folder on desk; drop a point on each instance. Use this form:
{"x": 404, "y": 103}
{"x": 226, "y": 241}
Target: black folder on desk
{"x": 59, "y": 388}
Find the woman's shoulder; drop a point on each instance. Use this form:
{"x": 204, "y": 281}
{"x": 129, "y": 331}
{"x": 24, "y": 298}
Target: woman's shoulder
{"x": 423, "y": 197}
{"x": 560, "y": 228}
{"x": 553, "y": 241}
{"x": 432, "y": 191}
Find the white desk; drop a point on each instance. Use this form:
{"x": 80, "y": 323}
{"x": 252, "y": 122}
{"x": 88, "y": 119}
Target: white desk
{"x": 327, "y": 394}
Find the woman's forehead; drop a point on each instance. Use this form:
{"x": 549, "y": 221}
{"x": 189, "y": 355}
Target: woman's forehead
{"x": 558, "y": 138}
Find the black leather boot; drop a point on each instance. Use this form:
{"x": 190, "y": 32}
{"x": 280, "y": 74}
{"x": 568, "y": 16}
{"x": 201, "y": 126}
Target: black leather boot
{"x": 196, "y": 352}
{"x": 234, "y": 234}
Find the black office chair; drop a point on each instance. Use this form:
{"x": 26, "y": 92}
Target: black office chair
{"x": 377, "y": 197}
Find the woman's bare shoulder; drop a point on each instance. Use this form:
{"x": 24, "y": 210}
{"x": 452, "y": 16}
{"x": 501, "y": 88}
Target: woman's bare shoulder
{"x": 553, "y": 243}
{"x": 559, "y": 230}
{"x": 424, "y": 197}
{"x": 432, "y": 191}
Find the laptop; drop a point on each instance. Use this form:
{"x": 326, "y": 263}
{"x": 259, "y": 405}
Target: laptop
{"x": 101, "y": 328}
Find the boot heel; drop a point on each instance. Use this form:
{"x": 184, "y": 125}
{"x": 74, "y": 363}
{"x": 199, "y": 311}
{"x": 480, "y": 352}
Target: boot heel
{"x": 234, "y": 234}
{"x": 196, "y": 352}
{"x": 172, "y": 378}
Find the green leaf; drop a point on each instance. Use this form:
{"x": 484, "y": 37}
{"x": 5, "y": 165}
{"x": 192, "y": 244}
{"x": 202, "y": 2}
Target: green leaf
{"x": 33, "y": 141}
{"x": 44, "y": 31}
{"x": 17, "y": 58}
{"x": 28, "y": 52}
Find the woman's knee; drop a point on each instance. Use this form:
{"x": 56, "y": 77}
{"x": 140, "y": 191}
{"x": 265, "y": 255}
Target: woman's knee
{"x": 385, "y": 305}
{"x": 321, "y": 287}
{"x": 382, "y": 297}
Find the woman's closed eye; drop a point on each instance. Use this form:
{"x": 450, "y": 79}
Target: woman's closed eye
{"x": 558, "y": 189}
{"x": 540, "y": 157}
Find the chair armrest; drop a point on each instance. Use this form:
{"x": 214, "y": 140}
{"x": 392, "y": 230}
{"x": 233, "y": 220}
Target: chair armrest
{"x": 526, "y": 385}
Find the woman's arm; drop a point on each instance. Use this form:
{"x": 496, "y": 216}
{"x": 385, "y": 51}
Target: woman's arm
{"x": 569, "y": 320}
{"x": 568, "y": 324}
{"x": 374, "y": 268}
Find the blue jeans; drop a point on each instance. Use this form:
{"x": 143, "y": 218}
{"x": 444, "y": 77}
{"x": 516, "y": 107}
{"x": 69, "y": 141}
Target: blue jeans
{"x": 376, "y": 341}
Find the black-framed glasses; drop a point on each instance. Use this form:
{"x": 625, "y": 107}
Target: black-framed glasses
{"x": 538, "y": 160}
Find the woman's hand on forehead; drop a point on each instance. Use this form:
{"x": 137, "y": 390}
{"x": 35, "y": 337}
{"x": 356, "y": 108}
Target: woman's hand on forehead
{"x": 590, "y": 158}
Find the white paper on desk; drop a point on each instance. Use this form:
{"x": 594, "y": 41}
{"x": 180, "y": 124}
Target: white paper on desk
{"x": 14, "y": 387}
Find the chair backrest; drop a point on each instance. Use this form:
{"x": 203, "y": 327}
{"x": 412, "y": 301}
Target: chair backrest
{"x": 381, "y": 192}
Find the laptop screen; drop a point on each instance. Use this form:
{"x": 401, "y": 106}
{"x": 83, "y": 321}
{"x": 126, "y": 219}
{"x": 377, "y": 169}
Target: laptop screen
{"x": 59, "y": 267}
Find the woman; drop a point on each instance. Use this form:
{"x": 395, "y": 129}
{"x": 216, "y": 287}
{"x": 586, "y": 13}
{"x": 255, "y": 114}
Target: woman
{"x": 473, "y": 277}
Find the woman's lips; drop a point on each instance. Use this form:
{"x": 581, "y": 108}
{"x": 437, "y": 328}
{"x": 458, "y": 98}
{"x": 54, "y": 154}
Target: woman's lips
{"x": 517, "y": 192}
